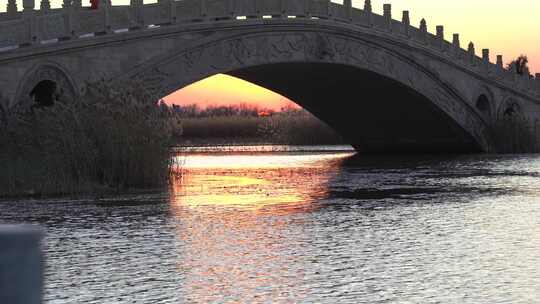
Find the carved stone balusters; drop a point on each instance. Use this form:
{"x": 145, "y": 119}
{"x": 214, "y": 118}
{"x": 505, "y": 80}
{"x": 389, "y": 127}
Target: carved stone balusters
{"x": 28, "y": 6}
{"x": 485, "y": 59}
{"x": 406, "y": 20}
{"x": 67, "y": 12}
{"x": 367, "y": 6}
{"x": 107, "y": 15}
{"x": 172, "y": 11}
{"x": 76, "y": 4}
{"x": 368, "y": 13}
{"x": 11, "y": 8}
{"x": 347, "y": 4}
{"x": 28, "y": 14}
{"x": 471, "y": 53}
{"x": 423, "y": 30}
{"x": 329, "y": 8}
{"x": 500, "y": 64}
{"x": 45, "y": 6}
{"x": 387, "y": 13}
{"x": 203, "y": 9}
{"x": 440, "y": 37}
{"x": 74, "y": 23}
{"x": 137, "y": 21}
{"x": 456, "y": 46}
{"x": 455, "y": 41}
{"x": 485, "y": 55}
{"x": 229, "y": 9}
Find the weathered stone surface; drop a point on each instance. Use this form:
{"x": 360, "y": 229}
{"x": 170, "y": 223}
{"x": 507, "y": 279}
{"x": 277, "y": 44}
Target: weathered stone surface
{"x": 407, "y": 90}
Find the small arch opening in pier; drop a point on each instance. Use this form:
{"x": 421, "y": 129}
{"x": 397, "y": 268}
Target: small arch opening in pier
{"x": 483, "y": 105}
{"x": 511, "y": 110}
{"x": 44, "y": 94}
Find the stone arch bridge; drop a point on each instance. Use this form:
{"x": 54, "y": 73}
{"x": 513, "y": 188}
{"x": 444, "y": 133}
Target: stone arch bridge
{"x": 384, "y": 84}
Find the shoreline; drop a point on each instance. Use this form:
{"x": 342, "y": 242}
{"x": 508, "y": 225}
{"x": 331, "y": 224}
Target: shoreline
{"x": 98, "y": 192}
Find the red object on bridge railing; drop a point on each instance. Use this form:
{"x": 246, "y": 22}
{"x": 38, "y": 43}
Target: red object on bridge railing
{"x": 94, "y": 4}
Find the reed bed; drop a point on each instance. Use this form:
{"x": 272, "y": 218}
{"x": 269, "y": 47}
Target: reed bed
{"x": 516, "y": 134}
{"x": 293, "y": 127}
{"x": 113, "y": 138}
{"x": 298, "y": 127}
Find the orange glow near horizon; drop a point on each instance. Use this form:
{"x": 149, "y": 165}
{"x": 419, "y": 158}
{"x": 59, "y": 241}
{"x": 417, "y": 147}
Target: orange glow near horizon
{"x": 510, "y": 29}
{"x": 254, "y": 182}
{"x": 223, "y": 89}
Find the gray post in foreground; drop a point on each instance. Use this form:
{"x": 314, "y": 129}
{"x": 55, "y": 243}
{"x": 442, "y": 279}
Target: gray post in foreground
{"x": 21, "y": 264}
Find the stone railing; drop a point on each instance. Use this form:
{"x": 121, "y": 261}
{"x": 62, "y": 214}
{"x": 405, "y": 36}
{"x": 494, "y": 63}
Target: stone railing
{"x": 31, "y": 27}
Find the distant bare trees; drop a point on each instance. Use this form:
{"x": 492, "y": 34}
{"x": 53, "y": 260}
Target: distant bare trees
{"x": 520, "y": 65}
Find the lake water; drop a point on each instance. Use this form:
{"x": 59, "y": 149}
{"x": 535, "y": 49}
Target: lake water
{"x": 302, "y": 225}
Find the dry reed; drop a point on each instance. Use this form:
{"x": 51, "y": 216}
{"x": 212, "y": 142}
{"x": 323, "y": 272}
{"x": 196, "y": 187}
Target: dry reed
{"x": 115, "y": 137}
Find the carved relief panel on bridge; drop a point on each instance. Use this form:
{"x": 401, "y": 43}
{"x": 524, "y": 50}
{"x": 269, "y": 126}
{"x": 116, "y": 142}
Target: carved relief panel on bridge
{"x": 13, "y": 32}
{"x": 53, "y": 26}
{"x": 318, "y": 8}
{"x": 189, "y": 10}
{"x": 90, "y": 21}
{"x": 245, "y": 8}
{"x": 121, "y": 17}
{"x": 217, "y": 9}
{"x": 270, "y": 7}
{"x": 157, "y": 14}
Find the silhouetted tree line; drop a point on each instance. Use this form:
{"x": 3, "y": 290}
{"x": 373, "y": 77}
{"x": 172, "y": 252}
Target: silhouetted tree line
{"x": 520, "y": 65}
{"x": 195, "y": 111}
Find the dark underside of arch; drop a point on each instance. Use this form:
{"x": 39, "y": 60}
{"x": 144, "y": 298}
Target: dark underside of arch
{"x": 373, "y": 113}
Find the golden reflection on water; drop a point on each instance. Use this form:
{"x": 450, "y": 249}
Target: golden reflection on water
{"x": 233, "y": 212}
{"x": 254, "y": 181}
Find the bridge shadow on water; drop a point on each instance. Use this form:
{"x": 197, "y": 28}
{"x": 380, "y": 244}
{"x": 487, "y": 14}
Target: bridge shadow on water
{"x": 372, "y": 182}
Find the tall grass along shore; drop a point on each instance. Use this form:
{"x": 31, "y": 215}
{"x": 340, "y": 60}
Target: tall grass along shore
{"x": 242, "y": 124}
{"x": 113, "y": 138}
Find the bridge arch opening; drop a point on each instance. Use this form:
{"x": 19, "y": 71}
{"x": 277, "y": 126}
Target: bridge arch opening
{"x": 44, "y": 93}
{"x": 484, "y": 106}
{"x": 224, "y": 109}
{"x": 372, "y": 112}
{"x": 510, "y": 110}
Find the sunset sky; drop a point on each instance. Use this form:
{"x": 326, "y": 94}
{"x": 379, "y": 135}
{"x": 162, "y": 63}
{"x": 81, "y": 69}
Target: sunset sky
{"x": 505, "y": 27}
